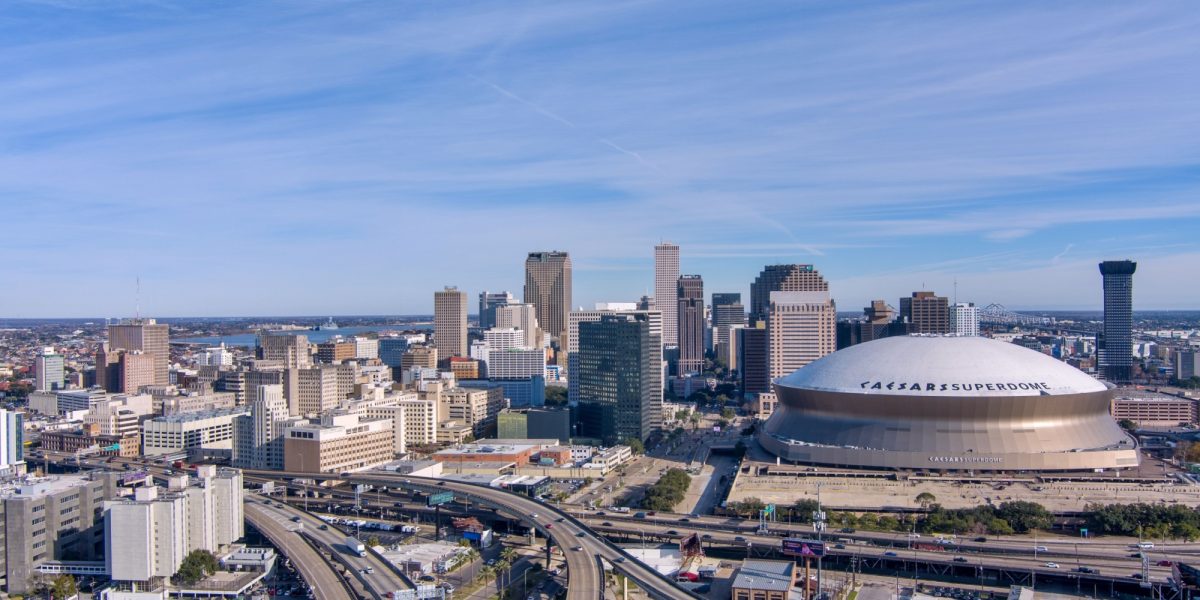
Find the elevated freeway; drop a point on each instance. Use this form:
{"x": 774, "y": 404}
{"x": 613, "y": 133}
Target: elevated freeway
{"x": 320, "y": 576}
{"x": 585, "y": 552}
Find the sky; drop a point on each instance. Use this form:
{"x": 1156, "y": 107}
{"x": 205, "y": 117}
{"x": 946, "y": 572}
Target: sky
{"x": 312, "y": 158}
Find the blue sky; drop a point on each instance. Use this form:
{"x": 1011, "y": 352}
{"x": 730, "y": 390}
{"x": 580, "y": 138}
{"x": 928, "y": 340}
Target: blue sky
{"x": 352, "y": 157}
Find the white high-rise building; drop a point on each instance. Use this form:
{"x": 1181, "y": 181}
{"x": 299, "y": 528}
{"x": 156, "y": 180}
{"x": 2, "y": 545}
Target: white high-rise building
{"x": 516, "y": 363}
{"x": 964, "y": 318}
{"x": 48, "y": 370}
{"x": 666, "y": 281}
{"x": 258, "y": 436}
{"x": 801, "y": 327}
{"x": 147, "y": 537}
{"x": 522, "y": 317}
{"x": 366, "y": 347}
{"x": 215, "y": 357}
{"x": 504, "y": 339}
{"x": 12, "y": 442}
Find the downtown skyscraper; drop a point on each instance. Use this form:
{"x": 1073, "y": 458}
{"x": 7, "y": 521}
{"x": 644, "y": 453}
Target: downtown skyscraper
{"x": 620, "y": 378}
{"x": 450, "y": 322}
{"x": 145, "y": 336}
{"x": 690, "y": 306}
{"x": 1114, "y": 343}
{"x": 666, "y": 280}
{"x": 548, "y": 288}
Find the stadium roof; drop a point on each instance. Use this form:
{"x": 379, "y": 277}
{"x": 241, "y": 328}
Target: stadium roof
{"x": 923, "y": 365}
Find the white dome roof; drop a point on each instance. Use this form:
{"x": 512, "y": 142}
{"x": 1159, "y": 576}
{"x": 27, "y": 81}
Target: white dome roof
{"x": 941, "y": 366}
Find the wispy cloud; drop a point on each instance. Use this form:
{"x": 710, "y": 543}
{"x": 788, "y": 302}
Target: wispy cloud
{"x": 445, "y": 141}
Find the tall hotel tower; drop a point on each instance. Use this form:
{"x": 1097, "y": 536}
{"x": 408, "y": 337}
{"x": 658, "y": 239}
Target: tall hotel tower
{"x": 1114, "y": 344}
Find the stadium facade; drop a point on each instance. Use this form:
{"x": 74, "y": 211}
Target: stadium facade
{"x": 946, "y": 403}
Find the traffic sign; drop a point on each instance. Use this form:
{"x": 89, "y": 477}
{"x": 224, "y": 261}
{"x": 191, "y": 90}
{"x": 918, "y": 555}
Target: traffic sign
{"x": 440, "y": 498}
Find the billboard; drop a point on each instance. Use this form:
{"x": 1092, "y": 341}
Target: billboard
{"x": 803, "y": 547}
{"x": 440, "y": 498}
{"x": 131, "y": 477}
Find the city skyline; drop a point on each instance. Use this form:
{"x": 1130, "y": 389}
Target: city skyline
{"x": 1059, "y": 136}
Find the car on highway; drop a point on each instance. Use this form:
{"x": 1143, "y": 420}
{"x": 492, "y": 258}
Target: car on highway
{"x": 369, "y": 570}
{"x": 915, "y": 536}
{"x": 1040, "y": 549}
{"x": 738, "y": 538}
{"x": 685, "y": 520}
{"x": 707, "y": 536}
{"x": 606, "y": 524}
{"x": 839, "y": 546}
{"x": 577, "y": 548}
{"x": 1136, "y": 575}
{"x": 324, "y": 527}
{"x": 1051, "y": 565}
{"x": 619, "y": 559}
{"x": 295, "y": 519}
{"x": 980, "y": 539}
{"x": 847, "y": 530}
{"x": 639, "y": 515}
{"x": 672, "y": 532}
{"x": 1145, "y": 545}
{"x": 549, "y": 525}
{"x": 889, "y": 553}
{"x": 533, "y": 516}
{"x": 560, "y": 519}
{"x": 1164, "y": 563}
{"x": 960, "y": 559}
{"x": 1087, "y": 570}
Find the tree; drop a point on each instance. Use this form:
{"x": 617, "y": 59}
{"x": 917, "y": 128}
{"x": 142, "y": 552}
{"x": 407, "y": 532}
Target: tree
{"x": 925, "y": 499}
{"x": 728, "y": 413}
{"x": 1025, "y": 516}
{"x": 373, "y": 540}
{"x": 682, "y": 414}
{"x": 695, "y": 419}
{"x": 196, "y": 565}
{"x": 556, "y": 395}
{"x": 1188, "y": 452}
{"x": 63, "y": 587}
{"x": 635, "y": 445}
{"x": 1127, "y": 424}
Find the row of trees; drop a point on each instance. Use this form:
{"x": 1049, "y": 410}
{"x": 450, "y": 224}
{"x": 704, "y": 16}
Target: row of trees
{"x": 1154, "y": 521}
{"x": 1009, "y": 517}
{"x": 668, "y": 491}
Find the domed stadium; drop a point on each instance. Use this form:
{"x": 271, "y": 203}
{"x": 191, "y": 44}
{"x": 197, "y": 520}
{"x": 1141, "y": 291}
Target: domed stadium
{"x": 945, "y": 403}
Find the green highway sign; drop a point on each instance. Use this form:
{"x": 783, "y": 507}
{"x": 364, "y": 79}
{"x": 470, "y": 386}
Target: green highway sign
{"x": 440, "y": 498}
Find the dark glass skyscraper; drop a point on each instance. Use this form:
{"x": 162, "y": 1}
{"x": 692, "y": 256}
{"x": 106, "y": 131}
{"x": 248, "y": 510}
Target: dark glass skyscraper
{"x": 620, "y": 378}
{"x": 1114, "y": 343}
{"x": 691, "y": 324}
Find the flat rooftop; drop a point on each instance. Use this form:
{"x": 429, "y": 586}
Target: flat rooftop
{"x": 36, "y": 487}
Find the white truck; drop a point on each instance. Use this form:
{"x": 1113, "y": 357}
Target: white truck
{"x": 355, "y": 546}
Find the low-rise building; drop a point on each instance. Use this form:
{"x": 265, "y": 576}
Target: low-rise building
{"x": 766, "y": 580}
{"x": 1154, "y": 410}
{"x": 88, "y": 439}
{"x": 339, "y": 441}
{"x": 515, "y": 454}
{"x": 183, "y": 431}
